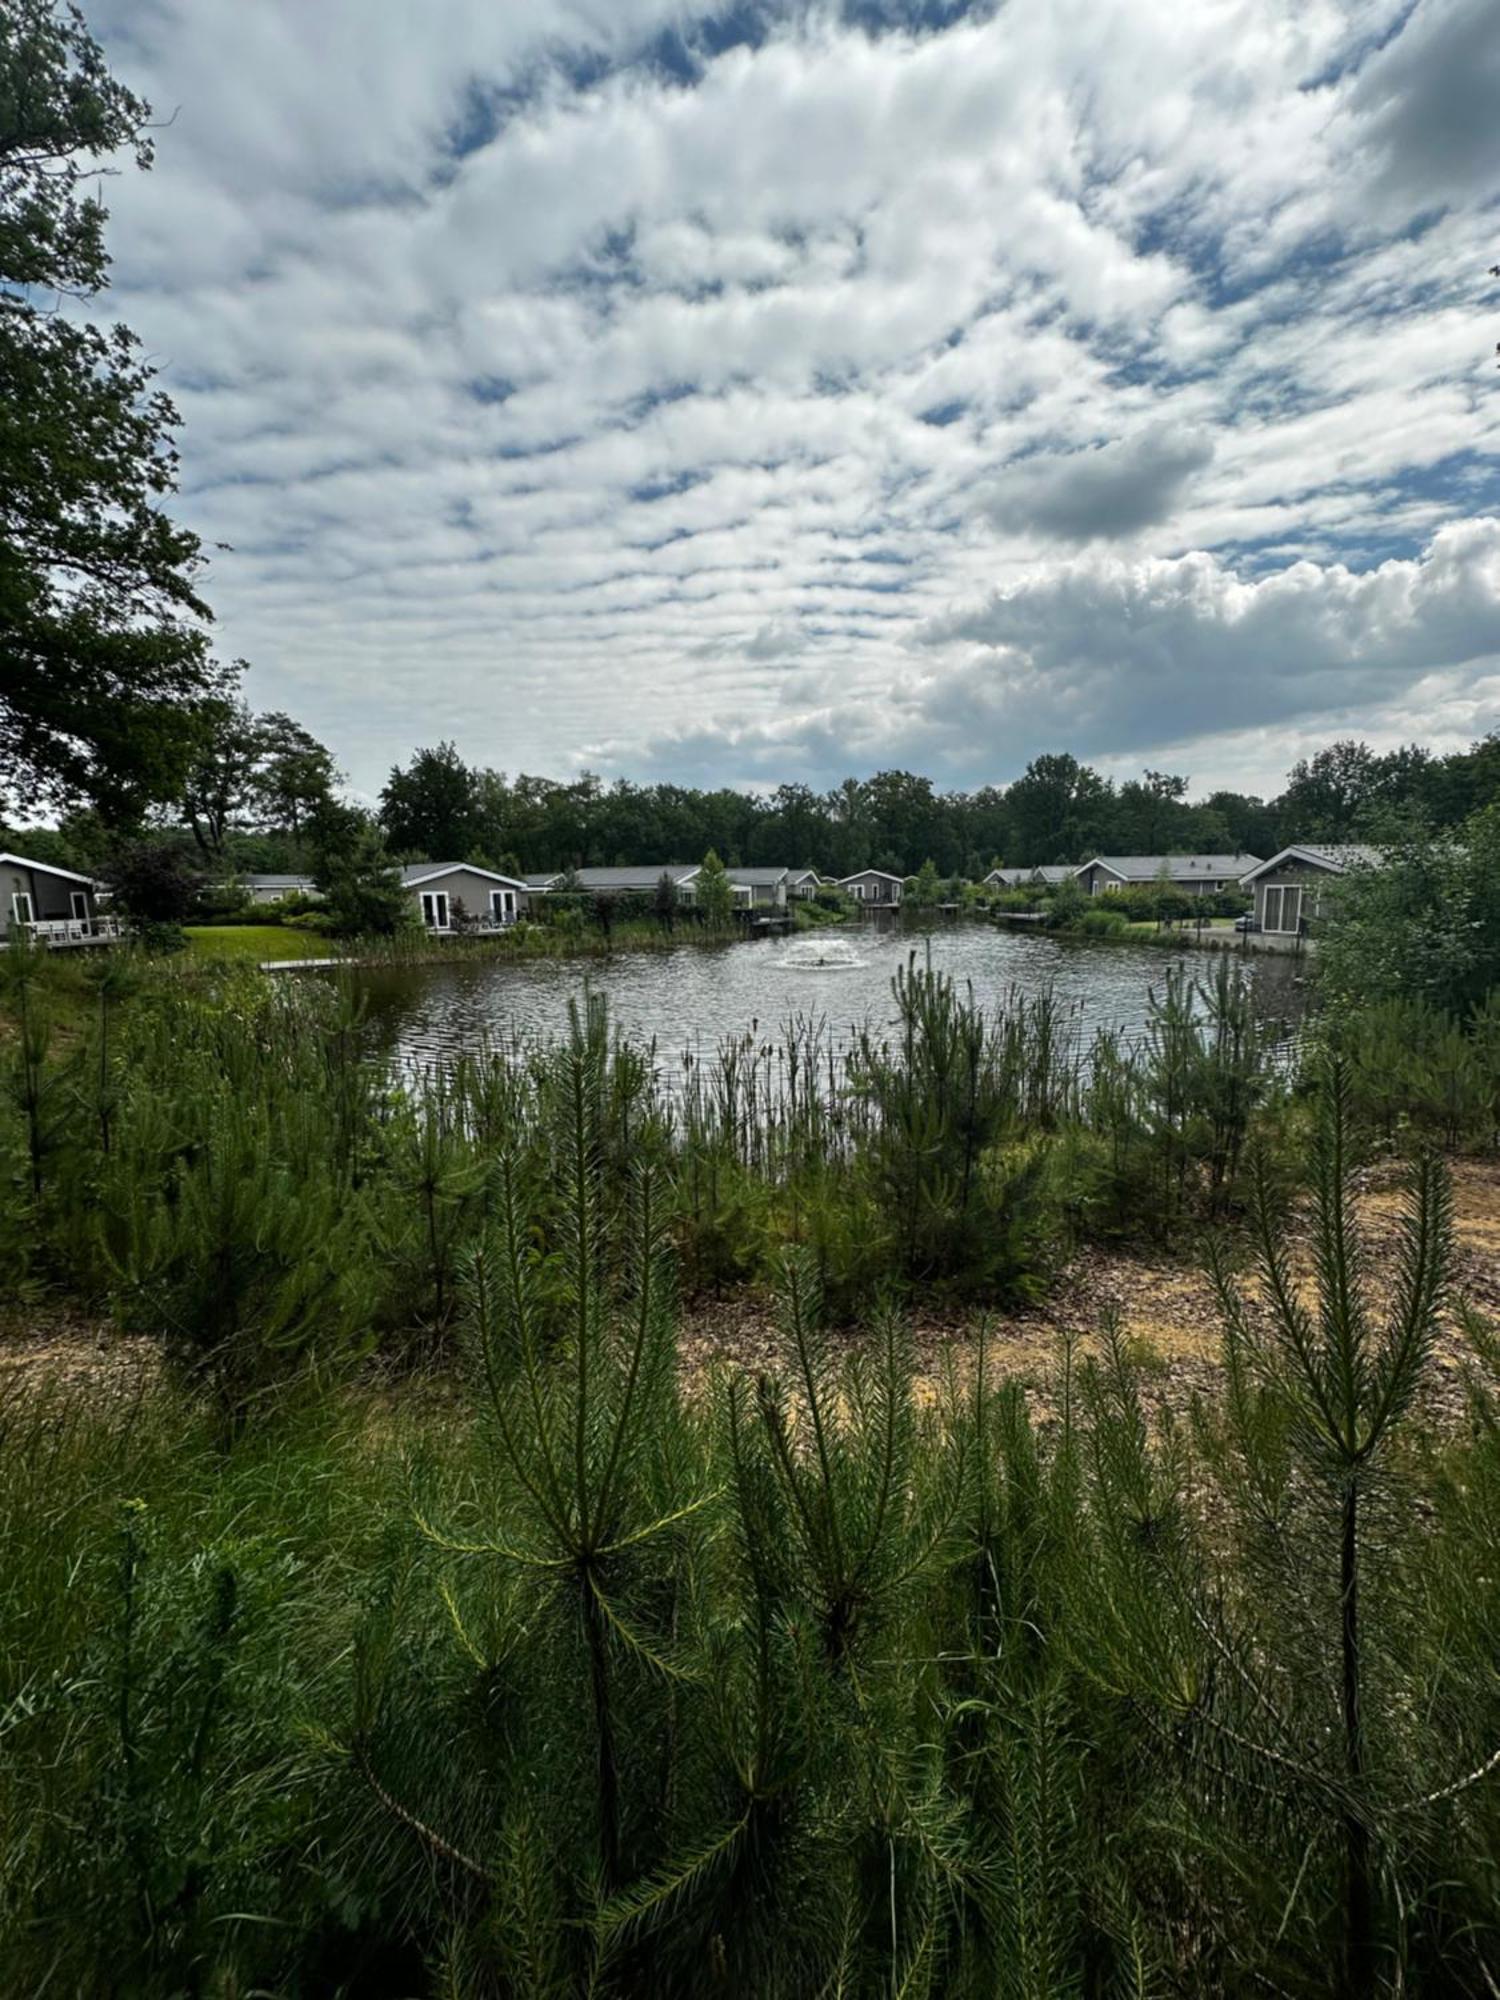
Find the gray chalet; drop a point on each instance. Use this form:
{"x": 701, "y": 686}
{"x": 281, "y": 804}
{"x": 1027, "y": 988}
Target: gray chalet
{"x": 1047, "y": 875}
{"x": 1197, "y": 874}
{"x": 643, "y": 880}
{"x": 51, "y": 906}
{"x": 874, "y": 887}
{"x": 1288, "y": 889}
{"x": 271, "y": 888}
{"x": 459, "y": 895}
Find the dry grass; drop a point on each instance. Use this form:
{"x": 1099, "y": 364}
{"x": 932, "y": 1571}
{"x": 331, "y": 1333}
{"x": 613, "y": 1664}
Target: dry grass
{"x": 1166, "y": 1309}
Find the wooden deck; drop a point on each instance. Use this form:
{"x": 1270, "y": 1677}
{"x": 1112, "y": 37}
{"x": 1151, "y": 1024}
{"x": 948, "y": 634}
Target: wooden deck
{"x": 70, "y": 933}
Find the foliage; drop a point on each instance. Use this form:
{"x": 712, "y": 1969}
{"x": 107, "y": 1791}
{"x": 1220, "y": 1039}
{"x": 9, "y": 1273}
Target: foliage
{"x": 597, "y": 1679}
{"x": 361, "y": 887}
{"x": 1057, "y": 810}
{"x": 156, "y": 878}
{"x": 264, "y": 771}
{"x": 101, "y": 627}
{"x": 925, "y": 889}
{"x": 713, "y": 895}
{"x": 428, "y": 809}
{"x": 1422, "y": 925}
{"x": 1319, "y": 1396}
{"x": 944, "y": 1095}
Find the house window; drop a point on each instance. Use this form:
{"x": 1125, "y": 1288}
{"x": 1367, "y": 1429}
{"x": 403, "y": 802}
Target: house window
{"x": 20, "y": 907}
{"x": 1283, "y": 910}
{"x": 78, "y": 901}
{"x": 503, "y": 905}
{"x": 435, "y": 909}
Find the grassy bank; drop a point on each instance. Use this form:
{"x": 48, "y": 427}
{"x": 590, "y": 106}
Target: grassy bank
{"x": 422, "y": 1624}
{"x": 580, "y": 1684}
{"x": 253, "y": 944}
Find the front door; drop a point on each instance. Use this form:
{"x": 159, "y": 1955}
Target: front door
{"x": 20, "y": 907}
{"x": 78, "y": 900}
{"x": 503, "y": 905}
{"x": 435, "y": 909}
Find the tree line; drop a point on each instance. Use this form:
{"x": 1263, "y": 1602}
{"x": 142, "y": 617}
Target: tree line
{"x": 1059, "y": 809}
{"x": 262, "y": 794}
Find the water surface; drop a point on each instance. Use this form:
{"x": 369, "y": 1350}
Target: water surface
{"x": 692, "y": 998}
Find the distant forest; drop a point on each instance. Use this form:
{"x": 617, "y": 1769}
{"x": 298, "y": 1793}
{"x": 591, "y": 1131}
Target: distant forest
{"x": 263, "y": 789}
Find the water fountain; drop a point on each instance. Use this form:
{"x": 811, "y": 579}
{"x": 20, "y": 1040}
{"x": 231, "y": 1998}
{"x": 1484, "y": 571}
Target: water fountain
{"x": 819, "y": 954}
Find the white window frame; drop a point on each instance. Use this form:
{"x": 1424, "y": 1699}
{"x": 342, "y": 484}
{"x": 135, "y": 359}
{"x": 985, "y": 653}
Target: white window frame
{"x": 503, "y": 905}
{"x": 431, "y": 898}
{"x": 20, "y": 897}
{"x": 78, "y": 903}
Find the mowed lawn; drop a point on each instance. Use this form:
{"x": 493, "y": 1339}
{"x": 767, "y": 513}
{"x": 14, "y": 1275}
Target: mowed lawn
{"x": 256, "y": 942}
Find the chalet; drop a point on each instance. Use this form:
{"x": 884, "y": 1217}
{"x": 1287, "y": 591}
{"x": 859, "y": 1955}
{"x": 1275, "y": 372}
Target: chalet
{"x": 1288, "y": 889}
{"x": 458, "y": 895}
{"x": 874, "y": 888}
{"x": 634, "y": 881}
{"x": 51, "y": 906}
{"x": 802, "y": 884}
{"x": 1048, "y": 875}
{"x": 271, "y": 888}
{"x": 759, "y": 888}
{"x": 1196, "y": 874}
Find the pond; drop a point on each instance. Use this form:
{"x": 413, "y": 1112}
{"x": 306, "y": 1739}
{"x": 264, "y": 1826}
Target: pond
{"x": 692, "y": 999}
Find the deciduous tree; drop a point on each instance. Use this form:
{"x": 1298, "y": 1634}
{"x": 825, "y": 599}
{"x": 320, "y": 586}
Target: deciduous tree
{"x": 430, "y": 808}
{"x": 102, "y": 639}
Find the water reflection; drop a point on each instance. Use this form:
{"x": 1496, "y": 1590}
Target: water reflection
{"x": 689, "y": 1001}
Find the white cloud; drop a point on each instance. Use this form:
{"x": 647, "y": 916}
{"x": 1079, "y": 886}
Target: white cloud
{"x": 1116, "y": 658}
{"x": 563, "y": 420}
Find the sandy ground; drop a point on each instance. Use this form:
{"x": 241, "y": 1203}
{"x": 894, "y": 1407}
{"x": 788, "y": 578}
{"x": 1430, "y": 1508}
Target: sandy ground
{"x": 1166, "y": 1310}
{"x": 1165, "y": 1306}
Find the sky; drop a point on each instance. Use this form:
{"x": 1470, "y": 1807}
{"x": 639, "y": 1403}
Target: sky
{"x": 779, "y": 392}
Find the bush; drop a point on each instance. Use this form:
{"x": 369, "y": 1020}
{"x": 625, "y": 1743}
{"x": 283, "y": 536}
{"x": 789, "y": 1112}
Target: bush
{"x": 583, "y": 1677}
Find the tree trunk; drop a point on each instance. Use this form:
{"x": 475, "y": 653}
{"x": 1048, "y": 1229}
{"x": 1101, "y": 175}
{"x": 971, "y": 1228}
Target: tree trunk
{"x": 1359, "y": 1941}
{"x": 604, "y": 1732}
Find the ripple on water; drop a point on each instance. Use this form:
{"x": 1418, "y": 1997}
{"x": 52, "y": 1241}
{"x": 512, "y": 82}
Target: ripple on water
{"x": 687, "y": 1002}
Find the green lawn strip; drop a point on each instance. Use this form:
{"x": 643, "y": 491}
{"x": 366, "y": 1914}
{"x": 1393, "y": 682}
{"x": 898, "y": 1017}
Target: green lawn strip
{"x": 256, "y": 942}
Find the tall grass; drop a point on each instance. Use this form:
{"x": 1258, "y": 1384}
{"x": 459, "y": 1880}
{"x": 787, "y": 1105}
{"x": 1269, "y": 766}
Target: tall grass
{"x": 566, "y": 1675}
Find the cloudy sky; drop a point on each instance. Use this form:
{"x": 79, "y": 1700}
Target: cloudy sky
{"x": 783, "y": 391}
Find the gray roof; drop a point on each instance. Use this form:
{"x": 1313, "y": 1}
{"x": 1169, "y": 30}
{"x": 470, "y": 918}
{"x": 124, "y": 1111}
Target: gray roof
{"x": 1180, "y": 867}
{"x": 1047, "y": 871}
{"x": 422, "y": 871}
{"x": 760, "y": 878}
{"x": 860, "y": 873}
{"x": 622, "y": 879}
{"x": 1335, "y": 857}
{"x": 46, "y": 868}
{"x": 277, "y": 881}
